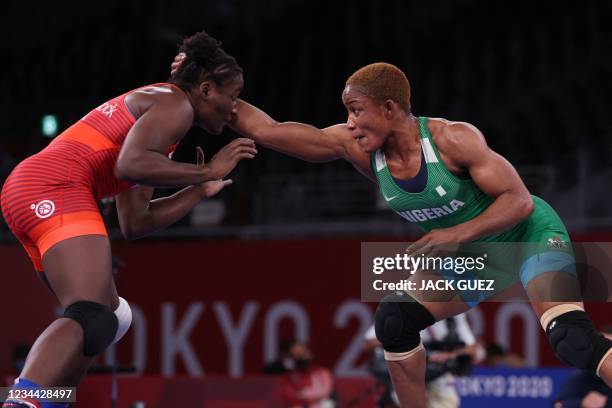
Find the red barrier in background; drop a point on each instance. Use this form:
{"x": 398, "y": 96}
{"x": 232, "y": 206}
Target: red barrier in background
{"x": 211, "y": 392}
{"x": 203, "y": 307}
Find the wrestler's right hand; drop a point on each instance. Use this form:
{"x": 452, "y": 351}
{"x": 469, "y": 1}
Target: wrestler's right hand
{"x": 228, "y": 157}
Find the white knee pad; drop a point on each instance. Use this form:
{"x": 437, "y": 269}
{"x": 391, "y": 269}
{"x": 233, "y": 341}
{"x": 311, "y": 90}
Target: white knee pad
{"x": 124, "y": 316}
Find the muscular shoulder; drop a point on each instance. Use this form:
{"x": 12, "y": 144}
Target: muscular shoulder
{"x": 349, "y": 149}
{"x": 339, "y": 132}
{"x": 459, "y": 142}
{"x": 166, "y": 100}
{"x": 344, "y": 141}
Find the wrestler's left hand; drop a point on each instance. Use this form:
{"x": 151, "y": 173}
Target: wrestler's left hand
{"x": 437, "y": 242}
{"x": 210, "y": 188}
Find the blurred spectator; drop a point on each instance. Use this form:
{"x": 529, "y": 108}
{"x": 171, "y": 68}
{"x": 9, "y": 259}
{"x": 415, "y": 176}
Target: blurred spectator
{"x": 497, "y": 356}
{"x": 286, "y": 360}
{"x": 451, "y": 349}
{"x": 383, "y": 390}
{"x": 586, "y": 390}
{"x": 303, "y": 384}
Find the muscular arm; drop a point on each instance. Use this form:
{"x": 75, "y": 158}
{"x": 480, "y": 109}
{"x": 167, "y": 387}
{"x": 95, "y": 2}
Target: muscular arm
{"x": 143, "y": 159}
{"x": 494, "y": 175}
{"x": 139, "y": 216}
{"x": 300, "y": 140}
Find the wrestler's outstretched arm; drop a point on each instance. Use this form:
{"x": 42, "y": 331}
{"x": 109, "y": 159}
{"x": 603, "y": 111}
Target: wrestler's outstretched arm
{"x": 296, "y": 139}
{"x": 300, "y": 140}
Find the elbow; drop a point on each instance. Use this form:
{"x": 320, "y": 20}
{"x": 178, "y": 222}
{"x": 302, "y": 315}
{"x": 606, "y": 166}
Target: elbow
{"x": 129, "y": 232}
{"x": 128, "y": 236}
{"x": 526, "y": 207}
{"x": 260, "y": 133}
{"x": 127, "y": 169}
{"x": 132, "y": 234}
{"x": 131, "y": 229}
{"x": 123, "y": 170}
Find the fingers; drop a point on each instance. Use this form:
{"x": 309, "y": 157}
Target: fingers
{"x": 228, "y": 157}
{"x": 211, "y": 188}
{"x": 245, "y": 155}
{"x": 433, "y": 244}
{"x": 249, "y": 149}
{"x": 424, "y": 246}
{"x": 242, "y": 142}
{"x": 241, "y": 146}
{"x": 221, "y": 184}
{"x": 178, "y": 60}
{"x": 200, "y": 157}
{"x": 418, "y": 245}
{"x": 245, "y": 145}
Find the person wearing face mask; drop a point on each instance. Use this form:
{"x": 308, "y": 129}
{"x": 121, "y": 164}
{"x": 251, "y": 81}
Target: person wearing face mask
{"x": 305, "y": 384}
{"x": 120, "y": 148}
{"x": 285, "y": 362}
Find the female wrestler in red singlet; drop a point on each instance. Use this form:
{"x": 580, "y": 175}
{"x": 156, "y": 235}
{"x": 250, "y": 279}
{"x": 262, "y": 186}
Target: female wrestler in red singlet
{"x": 50, "y": 199}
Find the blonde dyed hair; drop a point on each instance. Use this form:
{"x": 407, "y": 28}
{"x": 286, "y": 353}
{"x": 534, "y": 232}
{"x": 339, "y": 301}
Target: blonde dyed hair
{"x": 382, "y": 81}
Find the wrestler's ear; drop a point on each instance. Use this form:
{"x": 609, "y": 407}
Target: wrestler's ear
{"x": 205, "y": 89}
{"x": 389, "y": 108}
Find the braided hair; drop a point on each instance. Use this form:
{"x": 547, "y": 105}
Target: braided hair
{"x": 204, "y": 60}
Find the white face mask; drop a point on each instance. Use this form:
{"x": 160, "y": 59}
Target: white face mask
{"x": 289, "y": 363}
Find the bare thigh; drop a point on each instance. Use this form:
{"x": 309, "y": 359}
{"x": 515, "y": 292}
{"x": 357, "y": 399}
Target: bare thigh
{"x": 75, "y": 269}
{"x": 80, "y": 268}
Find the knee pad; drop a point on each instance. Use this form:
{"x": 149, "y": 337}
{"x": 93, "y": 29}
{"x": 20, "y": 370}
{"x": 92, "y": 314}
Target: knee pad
{"x": 124, "y": 318}
{"x": 99, "y": 325}
{"x": 398, "y": 322}
{"x": 576, "y": 342}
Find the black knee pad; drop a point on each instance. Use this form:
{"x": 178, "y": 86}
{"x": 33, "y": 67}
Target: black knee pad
{"x": 398, "y": 322}
{"x": 99, "y": 325}
{"x": 576, "y": 342}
